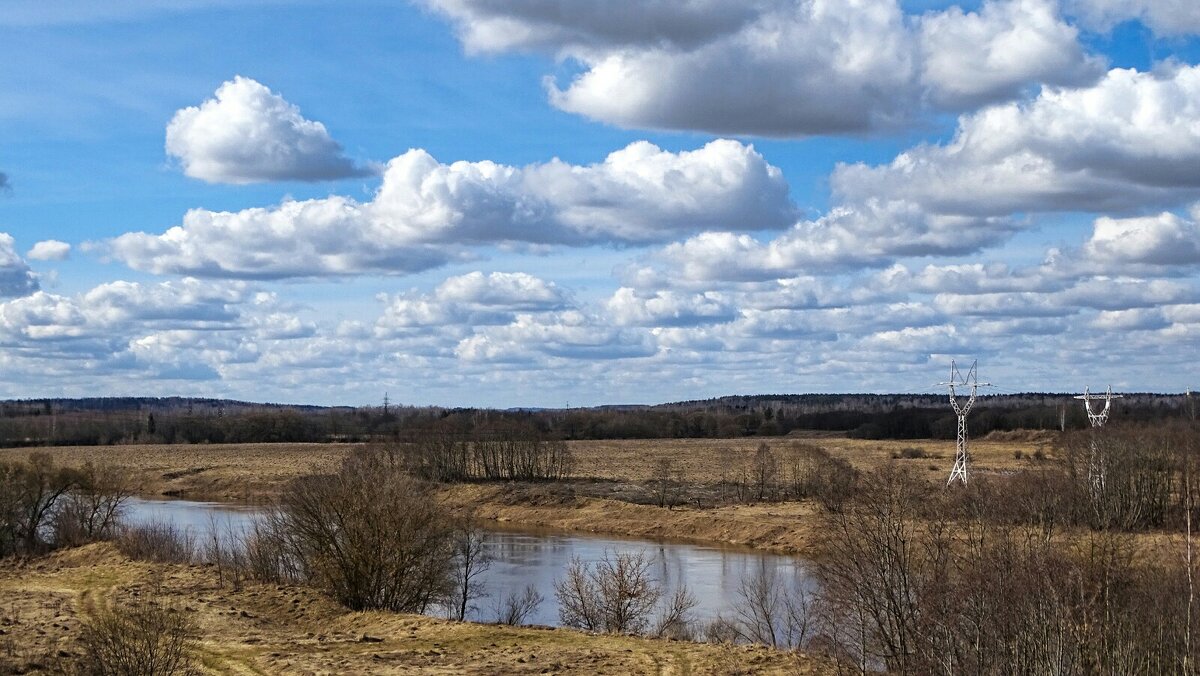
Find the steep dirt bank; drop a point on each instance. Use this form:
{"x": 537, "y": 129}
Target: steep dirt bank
{"x": 269, "y": 629}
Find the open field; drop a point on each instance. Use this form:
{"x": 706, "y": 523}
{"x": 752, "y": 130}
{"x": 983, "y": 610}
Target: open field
{"x": 268, "y": 629}
{"x": 250, "y": 472}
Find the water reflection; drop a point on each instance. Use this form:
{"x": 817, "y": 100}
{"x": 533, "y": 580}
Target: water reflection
{"x": 537, "y": 557}
{"x": 712, "y": 574}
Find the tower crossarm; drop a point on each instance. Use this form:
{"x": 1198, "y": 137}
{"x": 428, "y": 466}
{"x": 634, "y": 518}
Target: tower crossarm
{"x": 1097, "y": 418}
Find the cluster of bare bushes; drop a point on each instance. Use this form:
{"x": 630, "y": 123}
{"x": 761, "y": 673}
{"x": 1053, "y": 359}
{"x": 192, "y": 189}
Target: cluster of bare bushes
{"x": 44, "y": 505}
{"x": 921, "y": 583}
{"x": 1045, "y": 570}
{"x": 1039, "y": 571}
{"x": 142, "y": 639}
{"x": 497, "y": 452}
{"x": 374, "y": 538}
{"x": 798, "y": 471}
{"x": 620, "y": 595}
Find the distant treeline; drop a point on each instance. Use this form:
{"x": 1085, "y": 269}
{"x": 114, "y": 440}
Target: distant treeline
{"x": 104, "y": 421}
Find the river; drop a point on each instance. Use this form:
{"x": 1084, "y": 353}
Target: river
{"x": 524, "y": 556}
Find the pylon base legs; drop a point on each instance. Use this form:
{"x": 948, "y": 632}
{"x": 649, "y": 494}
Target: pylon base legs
{"x": 959, "y": 473}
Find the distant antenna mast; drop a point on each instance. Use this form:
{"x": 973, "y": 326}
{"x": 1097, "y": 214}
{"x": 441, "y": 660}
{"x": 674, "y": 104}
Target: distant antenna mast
{"x": 961, "y": 457}
{"x": 385, "y": 403}
{"x": 1096, "y": 468}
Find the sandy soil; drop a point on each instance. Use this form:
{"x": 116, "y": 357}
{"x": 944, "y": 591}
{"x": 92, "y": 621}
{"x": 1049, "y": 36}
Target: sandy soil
{"x": 266, "y": 629}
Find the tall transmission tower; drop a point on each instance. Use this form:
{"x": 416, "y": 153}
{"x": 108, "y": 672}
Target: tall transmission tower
{"x": 962, "y": 458}
{"x": 1096, "y": 469}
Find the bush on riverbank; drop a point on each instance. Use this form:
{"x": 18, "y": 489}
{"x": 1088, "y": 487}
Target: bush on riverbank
{"x": 44, "y": 505}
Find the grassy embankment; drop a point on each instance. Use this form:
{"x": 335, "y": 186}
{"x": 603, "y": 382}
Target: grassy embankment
{"x": 270, "y": 629}
{"x": 596, "y": 501}
{"x": 267, "y": 629}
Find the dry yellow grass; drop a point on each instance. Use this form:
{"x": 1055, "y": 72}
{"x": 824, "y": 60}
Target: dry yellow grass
{"x": 268, "y": 629}
{"x": 249, "y": 472}
{"x": 704, "y": 460}
{"x": 228, "y": 472}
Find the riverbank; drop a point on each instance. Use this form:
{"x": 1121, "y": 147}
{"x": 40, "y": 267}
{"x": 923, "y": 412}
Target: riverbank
{"x": 784, "y": 528}
{"x": 268, "y": 629}
{"x": 607, "y": 496}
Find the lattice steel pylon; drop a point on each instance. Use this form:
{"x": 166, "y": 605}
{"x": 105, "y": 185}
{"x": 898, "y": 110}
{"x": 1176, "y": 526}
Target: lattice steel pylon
{"x": 1096, "y": 468}
{"x": 962, "y": 459}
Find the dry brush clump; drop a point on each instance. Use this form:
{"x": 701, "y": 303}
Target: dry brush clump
{"x": 798, "y": 471}
{"x": 44, "y": 505}
{"x": 502, "y": 451}
{"x": 370, "y": 535}
{"x": 620, "y": 595}
{"x": 143, "y": 639}
{"x": 158, "y": 542}
{"x": 916, "y": 580}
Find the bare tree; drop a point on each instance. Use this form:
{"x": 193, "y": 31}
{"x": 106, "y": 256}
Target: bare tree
{"x": 764, "y": 472}
{"x": 675, "y": 620}
{"x": 514, "y": 608}
{"x": 616, "y": 595}
{"x": 31, "y": 492}
{"x": 471, "y": 561}
{"x": 667, "y": 482}
{"x": 92, "y": 510}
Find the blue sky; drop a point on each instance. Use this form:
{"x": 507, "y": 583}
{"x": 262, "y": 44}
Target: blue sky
{"x": 592, "y": 202}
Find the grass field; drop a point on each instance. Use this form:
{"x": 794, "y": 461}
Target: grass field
{"x": 268, "y": 629}
{"x": 250, "y": 472}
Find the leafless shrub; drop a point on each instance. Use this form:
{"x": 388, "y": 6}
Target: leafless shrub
{"x": 31, "y": 492}
{"x": 675, "y": 620}
{"x": 224, "y": 549}
{"x": 764, "y": 473}
{"x": 139, "y": 640}
{"x": 514, "y": 608}
{"x": 814, "y": 473}
{"x": 158, "y": 542}
{"x": 370, "y": 535}
{"x": 616, "y": 595}
{"x": 92, "y": 510}
{"x": 918, "y": 584}
{"x": 722, "y": 630}
{"x": 265, "y": 551}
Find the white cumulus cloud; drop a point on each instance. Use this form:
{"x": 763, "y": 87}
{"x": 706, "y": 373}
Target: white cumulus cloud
{"x": 249, "y": 134}
{"x": 1129, "y": 141}
{"x": 50, "y": 250}
{"x": 778, "y": 67}
{"x": 472, "y": 299}
{"x": 971, "y": 58}
{"x": 1164, "y": 17}
{"x": 424, "y": 211}
{"x": 1161, "y": 240}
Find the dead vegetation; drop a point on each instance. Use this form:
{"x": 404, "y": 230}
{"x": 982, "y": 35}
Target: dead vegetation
{"x": 270, "y": 628}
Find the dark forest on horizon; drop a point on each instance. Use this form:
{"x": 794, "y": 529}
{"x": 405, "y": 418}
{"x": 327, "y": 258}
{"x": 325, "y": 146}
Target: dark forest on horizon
{"x": 178, "y": 420}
